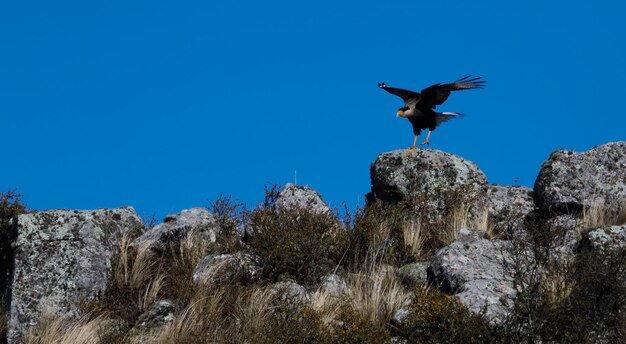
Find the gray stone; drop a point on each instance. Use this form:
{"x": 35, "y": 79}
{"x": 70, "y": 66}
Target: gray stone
{"x": 334, "y": 285}
{"x": 161, "y": 313}
{"x": 297, "y": 196}
{"x": 476, "y": 270}
{"x": 291, "y": 292}
{"x": 508, "y": 205}
{"x": 414, "y": 274}
{"x": 400, "y": 315}
{"x": 432, "y": 179}
{"x": 610, "y": 237}
{"x": 571, "y": 181}
{"x": 228, "y": 267}
{"x": 63, "y": 257}
{"x": 176, "y": 226}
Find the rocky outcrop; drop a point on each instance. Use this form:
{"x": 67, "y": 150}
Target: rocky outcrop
{"x": 175, "y": 227}
{"x": 63, "y": 257}
{"x": 433, "y": 180}
{"x": 475, "y": 269}
{"x": 508, "y": 205}
{"x": 604, "y": 238}
{"x": 571, "y": 181}
{"x": 297, "y": 196}
{"x": 240, "y": 266}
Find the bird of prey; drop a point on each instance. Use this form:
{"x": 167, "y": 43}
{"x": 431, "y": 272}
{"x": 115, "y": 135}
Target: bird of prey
{"x": 419, "y": 107}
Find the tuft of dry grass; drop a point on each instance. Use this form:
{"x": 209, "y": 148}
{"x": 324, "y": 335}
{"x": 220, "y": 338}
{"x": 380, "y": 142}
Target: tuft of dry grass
{"x": 600, "y": 214}
{"x": 326, "y": 305}
{"x": 254, "y": 313}
{"x": 376, "y": 294}
{"x": 193, "y": 248}
{"x": 137, "y": 271}
{"x": 65, "y": 330}
{"x": 414, "y": 237}
{"x": 460, "y": 217}
{"x": 556, "y": 286}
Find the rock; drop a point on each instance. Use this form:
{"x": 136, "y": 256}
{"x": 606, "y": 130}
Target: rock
{"x": 508, "y": 205}
{"x": 161, "y": 313}
{"x": 432, "y": 179}
{"x": 63, "y": 257}
{"x": 292, "y": 196}
{"x": 570, "y": 181}
{"x": 476, "y": 270}
{"x": 291, "y": 292}
{"x": 565, "y": 227}
{"x": 414, "y": 274}
{"x": 240, "y": 267}
{"x": 610, "y": 237}
{"x": 175, "y": 227}
{"x": 400, "y": 315}
{"x": 334, "y": 285}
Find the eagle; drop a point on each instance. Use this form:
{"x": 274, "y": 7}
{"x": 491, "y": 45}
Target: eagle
{"x": 419, "y": 108}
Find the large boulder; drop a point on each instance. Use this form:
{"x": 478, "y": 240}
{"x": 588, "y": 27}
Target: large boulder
{"x": 477, "y": 271}
{"x": 175, "y": 227}
{"x": 298, "y": 196}
{"x": 571, "y": 181}
{"x": 63, "y": 257}
{"x": 433, "y": 180}
{"x": 508, "y": 205}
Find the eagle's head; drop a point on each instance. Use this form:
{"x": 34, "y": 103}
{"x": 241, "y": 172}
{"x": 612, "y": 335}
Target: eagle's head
{"x": 403, "y": 112}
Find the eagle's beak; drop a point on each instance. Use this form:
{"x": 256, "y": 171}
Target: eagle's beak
{"x": 400, "y": 113}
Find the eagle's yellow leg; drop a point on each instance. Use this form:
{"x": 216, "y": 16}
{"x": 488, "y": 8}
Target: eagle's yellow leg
{"x": 414, "y": 142}
{"x": 427, "y": 137}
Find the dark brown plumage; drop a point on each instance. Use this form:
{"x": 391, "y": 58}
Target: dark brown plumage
{"x": 419, "y": 107}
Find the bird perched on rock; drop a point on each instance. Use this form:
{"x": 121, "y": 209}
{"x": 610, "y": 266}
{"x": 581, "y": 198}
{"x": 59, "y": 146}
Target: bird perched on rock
{"x": 419, "y": 107}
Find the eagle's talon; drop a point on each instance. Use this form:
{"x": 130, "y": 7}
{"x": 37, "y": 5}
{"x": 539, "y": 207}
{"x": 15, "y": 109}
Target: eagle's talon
{"x": 425, "y": 143}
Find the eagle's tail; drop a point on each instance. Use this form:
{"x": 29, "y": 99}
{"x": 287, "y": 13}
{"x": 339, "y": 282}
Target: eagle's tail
{"x": 441, "y": 117}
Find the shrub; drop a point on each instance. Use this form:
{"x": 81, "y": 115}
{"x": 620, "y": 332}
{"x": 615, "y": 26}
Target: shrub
{"x": 296, "y": 242}
{"x": 581, "y": 299}
{"x": 438, "y": 318}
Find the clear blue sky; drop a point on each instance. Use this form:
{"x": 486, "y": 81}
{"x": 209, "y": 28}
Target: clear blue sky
{"x": 163, "y": 105}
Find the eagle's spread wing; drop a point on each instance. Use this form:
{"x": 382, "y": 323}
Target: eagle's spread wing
{"x": 438, "y": 93}
{"x": 404, "y": 94}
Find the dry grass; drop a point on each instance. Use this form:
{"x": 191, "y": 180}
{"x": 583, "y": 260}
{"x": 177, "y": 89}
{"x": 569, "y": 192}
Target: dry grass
{"x": 460, "y": 217}
{"x": 137, "y": 271}
{"x": 193, "y": 248}
{"x": 327, "y": 305}
{"x": 414, "y": 237}
{"x": 376, "y": 294}
{"x": 65, "y": 330}
{"x": 600, "y": 214}
{"x": 556, "y": 286}
{"x": 254, "y": 312}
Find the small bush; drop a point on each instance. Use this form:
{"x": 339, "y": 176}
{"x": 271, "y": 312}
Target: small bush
{"x": 297, "y": 243}
{"x": 438, "y": 318}
{"x": 354, "y": 327}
